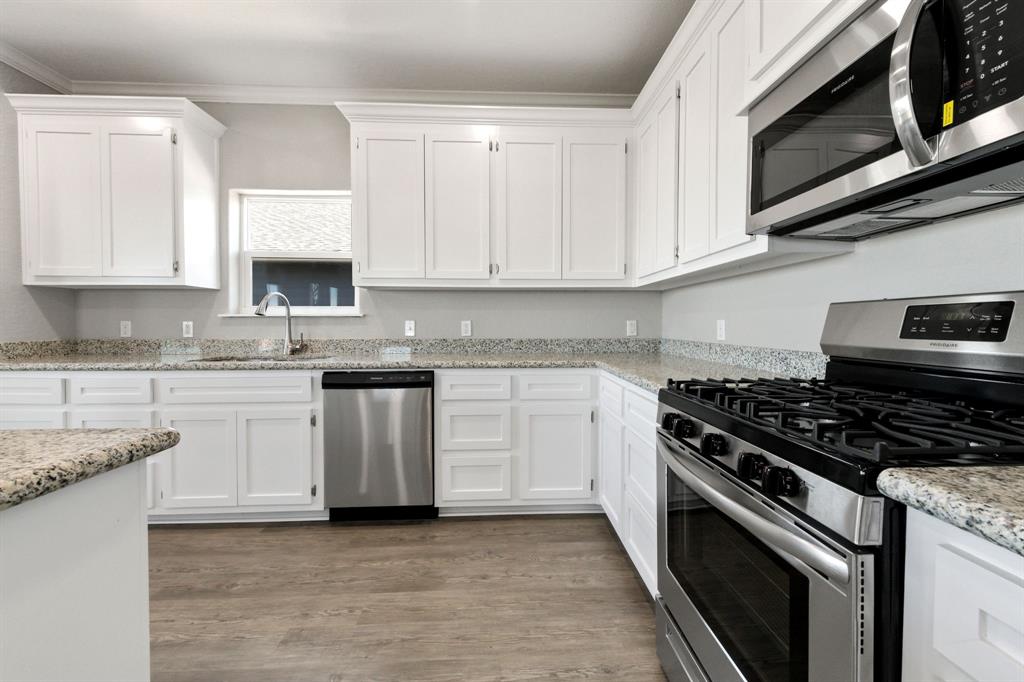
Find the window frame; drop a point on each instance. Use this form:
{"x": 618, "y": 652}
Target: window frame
{"x": 246, "y": 256}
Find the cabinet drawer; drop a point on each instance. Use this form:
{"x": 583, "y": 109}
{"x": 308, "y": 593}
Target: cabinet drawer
{"x": 110, "y": 390}
{"x": 640, "y": 414}
{"x": 31, "y": 391}
{"x": 475, "y": 386}
{"x": 466, "y": 477}
{"x": 476, "y": 427}
{"x": 610, "y": 397}
{"x": 16, "y": 418}
{"x": 555, "y": 386}
{"x": 195, "y": 390}
{"x": 641, "y": 472}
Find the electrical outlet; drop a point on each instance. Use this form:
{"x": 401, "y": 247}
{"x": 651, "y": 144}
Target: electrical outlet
{"x": 467, "y": 328}
{"x": 410, "y": 327}
{"x": 186, "y": 329}
{"x": 720, "y": 330}
{"x": 126, "y": 329}
{"x": 630, "y": 327}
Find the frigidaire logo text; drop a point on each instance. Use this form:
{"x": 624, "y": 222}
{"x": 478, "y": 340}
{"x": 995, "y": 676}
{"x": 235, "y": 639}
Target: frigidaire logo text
{"x": 843, "y": 84}
{"x": 943, "y": 344}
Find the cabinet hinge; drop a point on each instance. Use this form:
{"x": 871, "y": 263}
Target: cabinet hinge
{"x": 175, "y": 266}
{"x": 677, "y": 251}
{"x": 490, "y": 268}
{"x": 312, "y": 419}
{"x": 624, "y": 268}
{"x": 625, "y": 147}
{"x": 174, "y": 137}
{"x": 359, "y": 268}
{"x": 592, "y": 417}
{"x": 312, "y": 491}
{"x": 496, "y": 145}
{"x": 357, "y": 143}
{"x": 161, "y": 494}
{"x": 591, "y": 485}
{"x": 497, "y": 268}
{"x": 490, "y": 145}
{"x": 679, "y": 90}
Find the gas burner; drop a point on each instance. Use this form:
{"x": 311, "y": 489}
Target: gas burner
{"x": 875, "y": 425}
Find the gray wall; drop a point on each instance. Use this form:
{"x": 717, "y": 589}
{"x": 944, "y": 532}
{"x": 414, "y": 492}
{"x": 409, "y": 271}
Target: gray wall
{"x": 786, "y": 308}
{"x": 307, "y": 147}
{"x": 26, "y": 313}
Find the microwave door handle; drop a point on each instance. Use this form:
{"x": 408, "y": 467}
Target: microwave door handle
{"x": 908, "y": 131}
{"x": 789, "y": 545}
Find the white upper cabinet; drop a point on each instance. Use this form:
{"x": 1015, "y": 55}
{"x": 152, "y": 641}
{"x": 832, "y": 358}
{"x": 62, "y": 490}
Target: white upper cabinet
{"x": 489, "y": 197}
{"x": 656, "y": 219}
{"x": 118, "y": 191}
{"x": 387, "y": 206}
{"x": 594, "y": 206}
{"x": 458, "y": 216}
{"x": 529, "y": 205}
{"x": 696, "y": 132}
{"x": 781, "y": 34}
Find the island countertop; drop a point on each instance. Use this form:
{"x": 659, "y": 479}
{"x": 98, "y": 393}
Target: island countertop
{"x": 34, "y": 462}
{"x": 985, "y": 500}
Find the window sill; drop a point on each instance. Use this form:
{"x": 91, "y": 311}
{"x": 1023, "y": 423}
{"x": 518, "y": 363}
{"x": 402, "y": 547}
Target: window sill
{"x": 294, "y": 314}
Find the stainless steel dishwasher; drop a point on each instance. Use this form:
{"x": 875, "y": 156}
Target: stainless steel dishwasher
{"x": 379, "y": 445}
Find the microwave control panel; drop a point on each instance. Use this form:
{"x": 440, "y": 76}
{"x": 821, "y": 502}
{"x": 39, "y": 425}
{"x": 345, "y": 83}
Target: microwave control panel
{"x": 986, "y": 321}
{"x": 985, "y": 49}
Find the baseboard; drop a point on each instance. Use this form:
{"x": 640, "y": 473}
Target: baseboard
{"x": 244, "y": 517}
{"x": 524, "y": 510}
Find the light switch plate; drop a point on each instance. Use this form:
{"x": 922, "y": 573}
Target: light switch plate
{"x": 186, "y": 329}
{"x": 126, "y": 329}
{"x": 720, "y": 330}
{"x": 630, "y": 327}
{"x": 410, "y": 327}
{"x": 467, "y": 328}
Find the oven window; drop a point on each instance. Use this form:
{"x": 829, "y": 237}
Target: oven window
{"x": 847, "y": 123}
{"x": 755, "y": 603}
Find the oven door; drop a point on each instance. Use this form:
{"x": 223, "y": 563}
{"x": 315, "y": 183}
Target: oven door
{"x": 755, "y": 595}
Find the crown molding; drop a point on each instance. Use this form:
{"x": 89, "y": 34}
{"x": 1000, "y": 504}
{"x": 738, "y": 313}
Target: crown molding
{"x": 402, "y": 112}
{"x": 259, "y": 94}
{"x": 16, "y": 59}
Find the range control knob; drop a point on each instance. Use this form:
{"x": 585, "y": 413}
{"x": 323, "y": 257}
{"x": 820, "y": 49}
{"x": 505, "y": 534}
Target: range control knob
{"x": 780, "y": 482}
{"x": 684, "y": 428}
{"x": 750, "y": 466}
{"x": 714, "y": 445}
{"x": 669, "y": 419}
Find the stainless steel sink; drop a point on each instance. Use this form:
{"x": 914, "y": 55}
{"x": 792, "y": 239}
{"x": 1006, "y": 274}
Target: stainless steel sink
{"x": 258, "y": 358}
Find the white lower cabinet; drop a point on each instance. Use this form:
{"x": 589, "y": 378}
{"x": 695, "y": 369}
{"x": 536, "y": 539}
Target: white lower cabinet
{"x": 963, "y": 605}
{"x": 107, "y": 418}
{"x": 476, "y": 476}
{"x": 641, "y": 540}
{"x": 610, "y": 488}
{"x": 201, "y": 470}
{"x": 556, "y": 451}
{"x": 275, "y": 456}
{"x": 21, "y": 418}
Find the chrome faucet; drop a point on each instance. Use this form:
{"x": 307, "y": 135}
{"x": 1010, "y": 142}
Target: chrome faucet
{"x": 289, "y": 345}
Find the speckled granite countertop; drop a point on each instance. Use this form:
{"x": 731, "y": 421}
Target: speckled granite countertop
{"x": 646, "y": 370}
{"x": 987, "y": 501}
{"x": 36, "y": 462}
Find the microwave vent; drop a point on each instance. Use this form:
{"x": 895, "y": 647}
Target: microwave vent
{"x": 862, "y": 229}
{"x": 1014, "y": 186}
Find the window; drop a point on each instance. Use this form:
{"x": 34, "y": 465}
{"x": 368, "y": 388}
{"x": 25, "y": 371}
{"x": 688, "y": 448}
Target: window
{"x": 300, "y": 244}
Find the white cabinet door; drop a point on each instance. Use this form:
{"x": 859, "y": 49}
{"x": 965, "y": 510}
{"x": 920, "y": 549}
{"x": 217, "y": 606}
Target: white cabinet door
{"x": 529, "y": 205}
{"x": 111, "y": 418}
{"x": 730, "y": 150}
{"x": 275, "y": 456}
{"x": 555, "y": 451}
{"x": 695, "y": 143}
{"x": 640, "y": 471}
{"x": 388, "y": 204}
{"x": 476, "y": 477}
{"x": 594, "y": 207}
{"x": 201, "y": 470}
{"x": 610, "y": 487}
{"x": 138, "y": 159}
{"x": 476, "y": 426}
{"x": 458, "y": 214}
{"x": 20, "y": 418}
{"x": 656, "y": 218}
{"x": 61, "y": 196}
{"x": 641, "y": 541}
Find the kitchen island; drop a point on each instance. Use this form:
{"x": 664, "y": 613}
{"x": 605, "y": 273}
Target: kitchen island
{"x": 74, "y": 580}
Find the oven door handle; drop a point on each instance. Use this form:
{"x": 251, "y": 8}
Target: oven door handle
{"x": 786, "y": 543}
{"x": 919, "y": 151}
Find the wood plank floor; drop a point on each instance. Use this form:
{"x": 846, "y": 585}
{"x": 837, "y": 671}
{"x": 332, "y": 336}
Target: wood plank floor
{"x": 482, "y": 599}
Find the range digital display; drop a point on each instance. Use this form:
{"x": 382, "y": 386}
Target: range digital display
{"x": 986, "y": 321}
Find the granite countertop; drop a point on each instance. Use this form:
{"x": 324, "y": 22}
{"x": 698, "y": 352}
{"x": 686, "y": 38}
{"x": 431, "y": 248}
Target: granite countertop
{"x": 986, "y": 501}
{"x": 35, "y": 462}
{"x": 646, "y": 370}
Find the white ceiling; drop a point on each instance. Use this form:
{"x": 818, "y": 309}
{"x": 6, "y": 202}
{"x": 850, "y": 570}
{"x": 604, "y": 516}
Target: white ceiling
{"x": 529, "y": 46}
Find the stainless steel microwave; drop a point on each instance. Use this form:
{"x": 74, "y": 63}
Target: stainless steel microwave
{"x": 913, "y": 113}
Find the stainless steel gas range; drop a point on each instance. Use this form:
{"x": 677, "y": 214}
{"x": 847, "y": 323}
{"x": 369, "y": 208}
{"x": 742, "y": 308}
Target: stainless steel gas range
{"x": 778, "y": 559}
